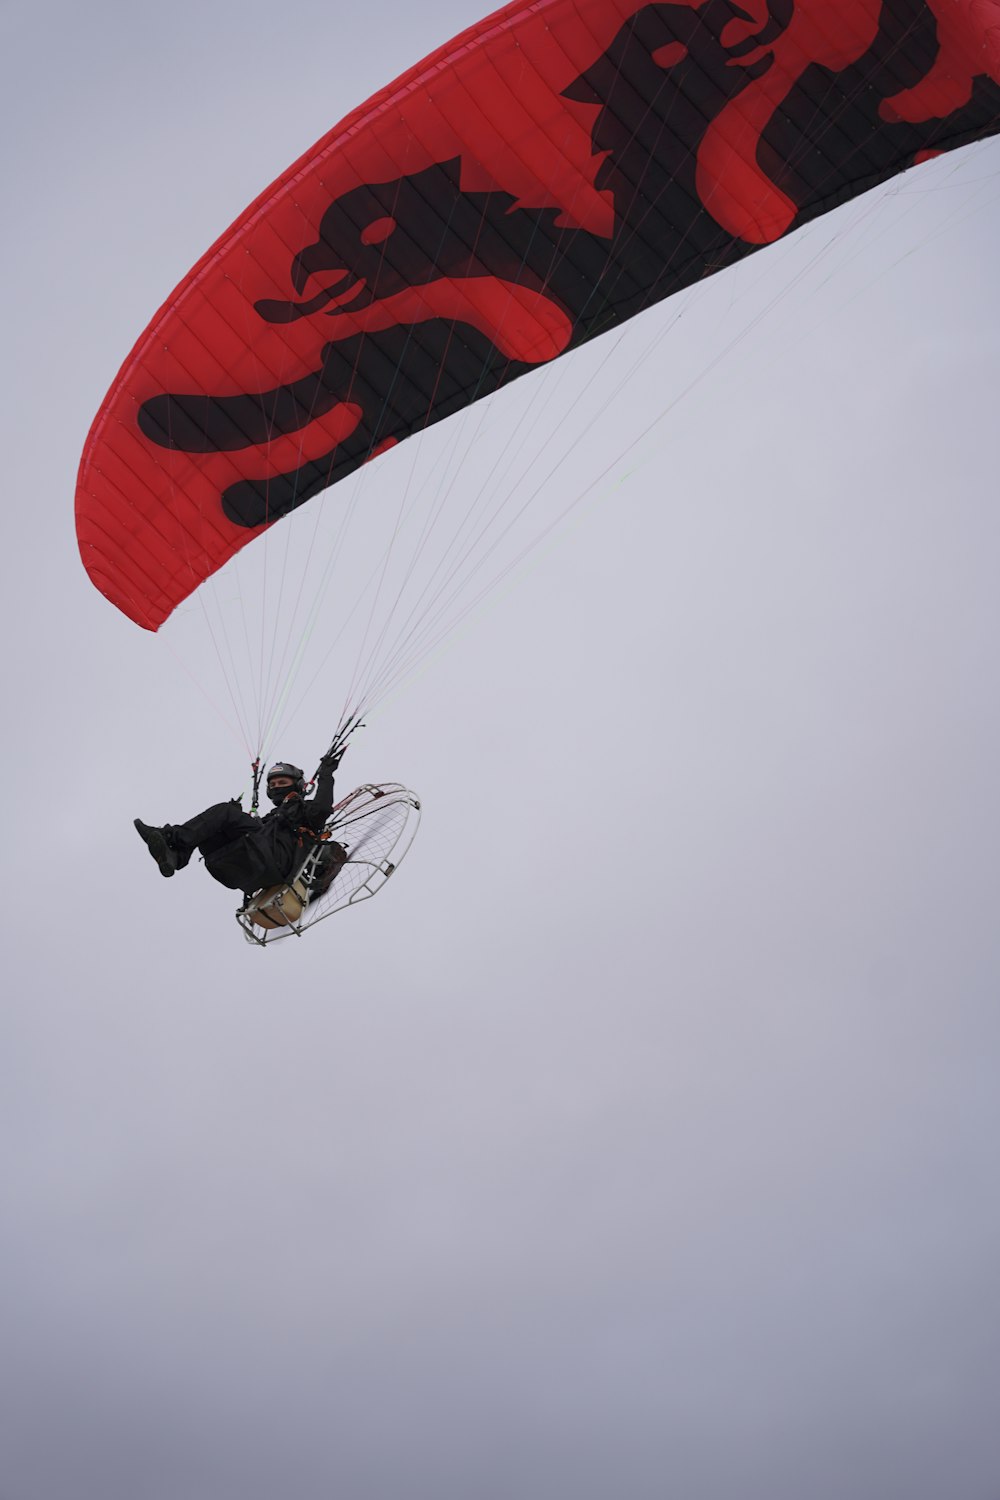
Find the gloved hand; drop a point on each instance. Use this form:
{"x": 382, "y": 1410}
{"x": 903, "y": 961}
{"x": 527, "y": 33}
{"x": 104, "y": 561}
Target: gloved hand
{"x": 331, "y": 760}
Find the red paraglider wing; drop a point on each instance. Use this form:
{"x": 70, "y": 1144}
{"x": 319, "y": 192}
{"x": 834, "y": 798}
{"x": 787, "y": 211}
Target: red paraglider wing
{"x": 540, "y": 179}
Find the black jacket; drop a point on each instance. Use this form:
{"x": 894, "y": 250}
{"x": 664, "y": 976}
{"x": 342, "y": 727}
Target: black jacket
{"x": 297, "y": 813}
{"x": 272, "y": 848}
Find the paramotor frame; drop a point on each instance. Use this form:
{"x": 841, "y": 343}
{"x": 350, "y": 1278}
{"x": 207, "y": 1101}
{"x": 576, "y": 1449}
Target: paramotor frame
{"x": 374, "y": 827}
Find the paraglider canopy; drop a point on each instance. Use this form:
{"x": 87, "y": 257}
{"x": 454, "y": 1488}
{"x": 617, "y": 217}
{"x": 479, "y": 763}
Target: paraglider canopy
{"x": 540, "y": 179}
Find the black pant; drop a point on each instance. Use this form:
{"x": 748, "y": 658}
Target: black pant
{"x": 239, "y": 851}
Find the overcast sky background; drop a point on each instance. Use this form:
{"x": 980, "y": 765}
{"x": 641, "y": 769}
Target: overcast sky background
{"x": 640, "y": 1139}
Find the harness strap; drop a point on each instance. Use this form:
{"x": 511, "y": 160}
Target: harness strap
{"x": 309, "y": 835}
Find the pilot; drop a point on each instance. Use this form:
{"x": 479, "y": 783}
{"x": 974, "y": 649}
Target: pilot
{"x": 244, "y": 852}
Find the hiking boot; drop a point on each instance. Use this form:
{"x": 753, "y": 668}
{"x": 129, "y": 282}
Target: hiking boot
{"x": 155, "y": 840}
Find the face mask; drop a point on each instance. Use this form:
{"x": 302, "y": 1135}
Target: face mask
{"x": 277, "y": 794}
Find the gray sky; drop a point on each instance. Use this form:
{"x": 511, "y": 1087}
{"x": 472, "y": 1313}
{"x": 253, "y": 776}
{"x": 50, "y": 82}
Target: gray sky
{"x": 640, "y": 1139}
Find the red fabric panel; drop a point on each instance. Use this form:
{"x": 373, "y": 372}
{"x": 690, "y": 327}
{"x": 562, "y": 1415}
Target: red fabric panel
{"x": 526, "y": 149}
